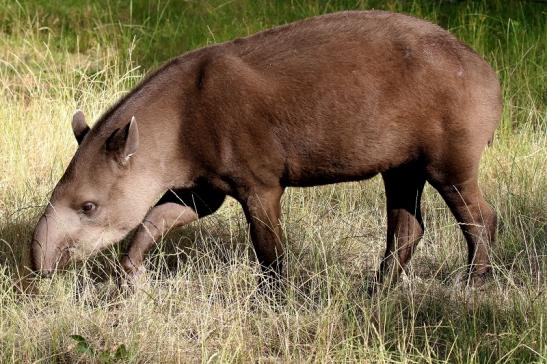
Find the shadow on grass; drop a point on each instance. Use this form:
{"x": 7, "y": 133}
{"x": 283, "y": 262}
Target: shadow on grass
{"x": 14, "y": 243}
{"x": 478, "y": 327}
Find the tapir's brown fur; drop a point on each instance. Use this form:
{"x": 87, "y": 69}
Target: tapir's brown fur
{"x": 340, "y": 97}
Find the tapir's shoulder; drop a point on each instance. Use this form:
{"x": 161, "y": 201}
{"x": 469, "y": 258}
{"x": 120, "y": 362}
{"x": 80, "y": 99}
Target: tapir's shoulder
{"x": 223, "y": 72}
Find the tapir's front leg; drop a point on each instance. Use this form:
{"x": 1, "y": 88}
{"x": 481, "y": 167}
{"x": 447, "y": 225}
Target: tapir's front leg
{"x": 262, "y": 208}
{"x": 174, "y": 209}
{"x": 160, "y": 220}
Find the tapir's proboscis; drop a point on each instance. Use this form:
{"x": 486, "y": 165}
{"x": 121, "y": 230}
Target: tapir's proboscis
{"x": 334, "y": 98}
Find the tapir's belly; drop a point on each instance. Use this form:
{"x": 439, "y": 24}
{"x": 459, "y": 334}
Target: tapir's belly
{"x": 347, "y": 156}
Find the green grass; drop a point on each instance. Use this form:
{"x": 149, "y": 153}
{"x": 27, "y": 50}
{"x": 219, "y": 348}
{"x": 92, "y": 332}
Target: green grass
{"x": 199, "y": 300}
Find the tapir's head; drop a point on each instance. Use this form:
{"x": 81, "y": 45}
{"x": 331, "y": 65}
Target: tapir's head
{"x": 103, "y": 194}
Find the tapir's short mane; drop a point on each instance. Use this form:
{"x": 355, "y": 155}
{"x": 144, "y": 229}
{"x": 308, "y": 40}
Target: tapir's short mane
{"x": 104, "y": 122}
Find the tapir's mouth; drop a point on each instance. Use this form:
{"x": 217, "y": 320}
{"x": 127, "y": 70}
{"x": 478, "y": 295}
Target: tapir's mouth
{"x": 61, "y": 262}
{"x": 64, "y": 257}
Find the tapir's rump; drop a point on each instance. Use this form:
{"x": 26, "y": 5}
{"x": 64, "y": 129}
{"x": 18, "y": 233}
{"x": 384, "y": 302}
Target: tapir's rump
{"x": 335, "y": 98}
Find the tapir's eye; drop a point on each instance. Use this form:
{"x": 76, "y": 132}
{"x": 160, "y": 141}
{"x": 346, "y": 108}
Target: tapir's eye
{"x": 88, "y": 207}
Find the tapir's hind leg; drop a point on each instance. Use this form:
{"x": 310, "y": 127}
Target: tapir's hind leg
{"x": 174, "y": 209}
{"x": 477, "y": 221}
{"x": 405, "y": 227}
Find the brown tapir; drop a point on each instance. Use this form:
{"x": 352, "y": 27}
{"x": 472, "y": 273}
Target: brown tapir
{"x": 334, "y": 98}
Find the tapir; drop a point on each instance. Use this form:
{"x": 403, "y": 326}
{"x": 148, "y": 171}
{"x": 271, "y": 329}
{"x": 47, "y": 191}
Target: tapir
{"x": 334, "y": 98}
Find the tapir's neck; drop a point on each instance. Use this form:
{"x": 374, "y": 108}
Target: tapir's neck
{"x": 157, "y": 106}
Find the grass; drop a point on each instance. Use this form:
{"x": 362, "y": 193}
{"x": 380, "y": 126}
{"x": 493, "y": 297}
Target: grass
{"x": 199, "y": 300}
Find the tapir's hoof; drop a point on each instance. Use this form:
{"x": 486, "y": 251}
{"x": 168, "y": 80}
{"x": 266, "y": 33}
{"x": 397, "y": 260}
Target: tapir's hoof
{"x": 478, "y": 280}
{"x": 272, "y": 285}
{"x": 131, "y": 283}
{"x": 474, "y": 280}
{"x": 131, "y": 278}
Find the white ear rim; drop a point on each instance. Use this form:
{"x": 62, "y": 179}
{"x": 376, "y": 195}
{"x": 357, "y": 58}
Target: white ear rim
{"x": 78, "y": 118}
{"x": 133, "y": 127}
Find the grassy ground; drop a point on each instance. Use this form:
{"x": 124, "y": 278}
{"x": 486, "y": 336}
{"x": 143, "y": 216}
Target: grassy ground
{"x": 199, "y": 301}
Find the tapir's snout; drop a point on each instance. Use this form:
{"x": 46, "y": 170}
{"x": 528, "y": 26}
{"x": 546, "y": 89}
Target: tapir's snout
{"x": 47, "y": 247}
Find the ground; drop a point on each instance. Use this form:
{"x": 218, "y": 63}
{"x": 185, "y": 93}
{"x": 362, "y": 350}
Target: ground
{"x": 199, "y": 300}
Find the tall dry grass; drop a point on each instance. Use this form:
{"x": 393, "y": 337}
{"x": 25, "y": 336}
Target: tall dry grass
{"x": 199, "y": 299}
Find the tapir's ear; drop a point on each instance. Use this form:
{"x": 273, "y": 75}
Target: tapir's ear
{"x": 124, "y": 141}
{"x": 79, "y": 126}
